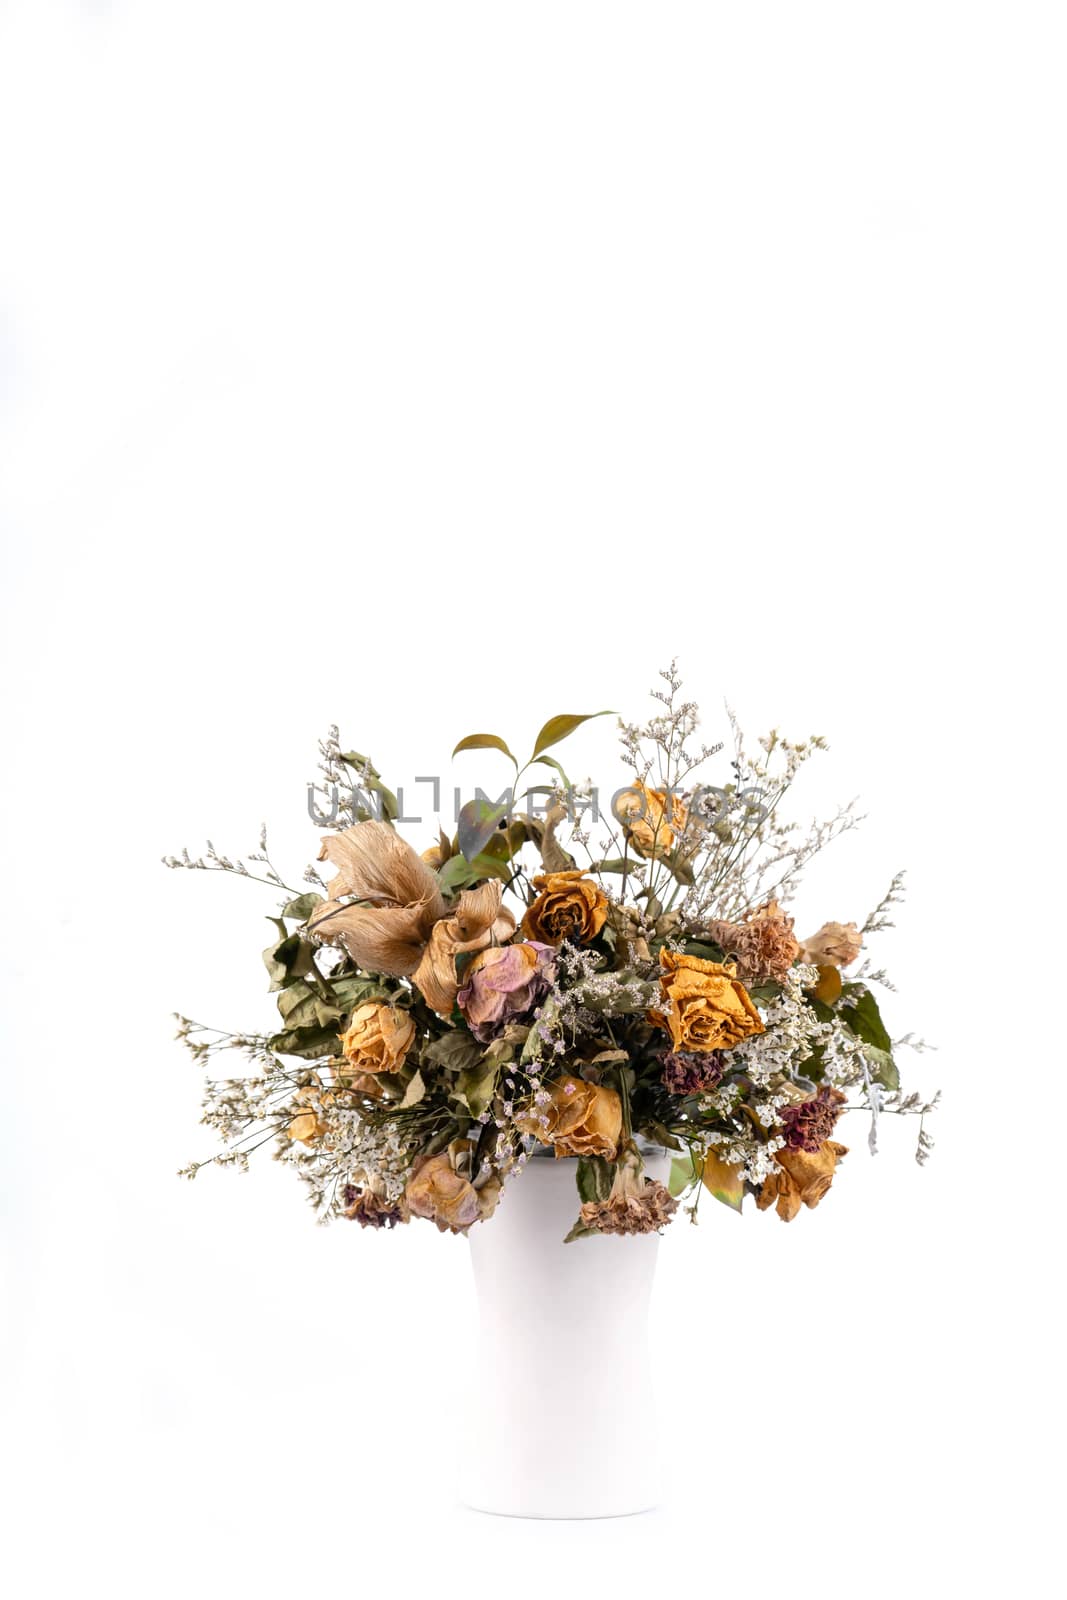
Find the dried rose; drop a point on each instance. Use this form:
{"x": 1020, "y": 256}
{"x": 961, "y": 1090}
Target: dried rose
{"x": 378, "y": 1037}
{"x": 802, "y": 1178}
{"x": 807, "y": 1124}
{"x": 709, "y": 1008}
{"x": 569, "y": 906}
{"x": 309, "y": 1125}
{"x": 449, "y": 1199}
{"x": 689, "y": 1072}
{"x": 650, "y": 818}
{"x": 580, "y": 1119}
{"x": 837, "y": 944}
{"x": 476, "y": 921}
{"x": 504, "y": 984}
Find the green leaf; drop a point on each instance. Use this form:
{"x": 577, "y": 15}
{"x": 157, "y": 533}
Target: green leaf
{"x": 302, "y": 905}
{"x": 883, "y": 1067}
{"x": 594, "y": 1177}
{"x": 455, "y": 1051}
{"x": 683, "y": 1175}
{"x": 580, "y": 1231}
{"x": 864, "y": 1018}
{"x": 350, "y": 992}
{"x": 288, "y": 960}
{"x": 372, "y": 783}
{"x": 550, "y": 761}
{"x": 311, "y": 1043}
{"x": 824, "y": 1012}
{"x": 616, "y": 864}
{"x": 476, "y": 1086}
{"x": 700, "y": 947}
{"x": 557, "y": 728}
{"x": 414, "y": 1092}
{"x": 478, "y": 821}
{"x": 681, "y": 865}
{"x": 485, "y": 741}
{"x": 722, "y": 1180}
{"x": 459, "y": 873}
{"x": 662, "y": 1135}
{"x": 303, "y": 1007}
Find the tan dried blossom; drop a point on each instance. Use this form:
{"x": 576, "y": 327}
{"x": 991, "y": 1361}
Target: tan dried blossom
{"x": 647, "y": 1210}
{"x": 405, "y": 927}
{"x": 402, "y": 899}
{"x": 837, "y": 944}
{"x": 763, "y": 945}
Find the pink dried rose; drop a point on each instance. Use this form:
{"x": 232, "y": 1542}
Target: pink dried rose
{"x": 504, "y": 984}
{"x": 441, "y": 1188}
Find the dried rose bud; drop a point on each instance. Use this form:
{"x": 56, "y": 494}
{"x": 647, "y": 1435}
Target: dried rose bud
{"x": 807, "y": 1125}
{"x": 691, "y": 1071}
{"x": 370, "y": 1210}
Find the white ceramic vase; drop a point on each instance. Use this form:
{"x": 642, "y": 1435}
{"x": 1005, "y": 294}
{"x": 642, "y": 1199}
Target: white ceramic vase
{"x": 564, "y": 1421}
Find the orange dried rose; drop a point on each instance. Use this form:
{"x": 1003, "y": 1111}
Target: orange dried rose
{"x": 709, "y": 1008}
{"x": 582, "y": 1119}
{"x": 378, "y": 1037}
{"x": 569, "y": 906}
{"x": 803, "y": 1177}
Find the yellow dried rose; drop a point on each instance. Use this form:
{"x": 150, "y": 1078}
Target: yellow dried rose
{"x": 650, "y": 818}
{"x": 437, "y": 1191}
{"x": 309, "y": 1126}
{"x": 580, "y": 1119}
{"x": 836, "y": 944}
{"x": 569, "y": 906}
{"x": 803, "y": 1177}
{"x": 378, "y": 1037}
{"x": 709, "y": 1009}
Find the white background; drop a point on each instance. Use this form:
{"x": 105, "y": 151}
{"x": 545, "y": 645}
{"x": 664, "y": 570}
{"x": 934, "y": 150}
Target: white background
{"x": 435, "y": 367}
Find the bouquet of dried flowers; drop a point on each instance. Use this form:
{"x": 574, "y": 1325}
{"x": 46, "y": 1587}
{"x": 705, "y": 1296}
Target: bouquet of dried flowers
{"x": 561, "y": 976}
